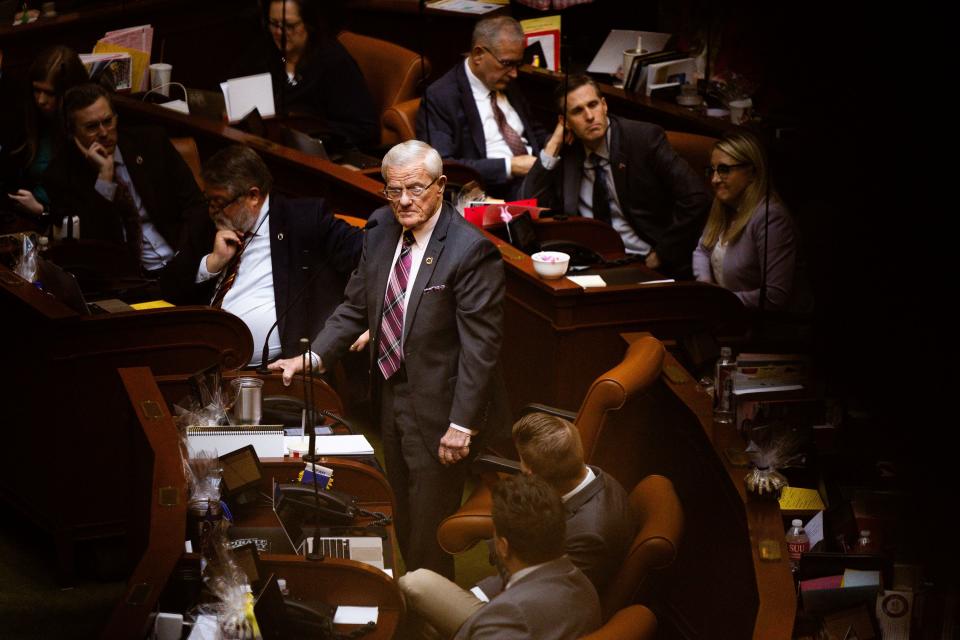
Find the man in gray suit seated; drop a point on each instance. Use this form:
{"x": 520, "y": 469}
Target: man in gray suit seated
{"x": 544, "y": 596}
{"x": 599, "y": 523}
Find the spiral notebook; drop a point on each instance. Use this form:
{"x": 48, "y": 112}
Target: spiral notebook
{"x": 267, "y": 440}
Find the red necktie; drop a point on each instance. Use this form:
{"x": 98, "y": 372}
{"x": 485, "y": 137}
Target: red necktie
{"x": 229, "y": 277}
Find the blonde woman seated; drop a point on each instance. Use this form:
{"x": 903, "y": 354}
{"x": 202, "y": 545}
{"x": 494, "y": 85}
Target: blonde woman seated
{"x": 741, "y": 230}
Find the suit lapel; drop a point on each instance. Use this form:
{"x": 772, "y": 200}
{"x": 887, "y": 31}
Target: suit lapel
{"x": 279, "y": 259}
{"x": 572, "y": 176}
{"x": 618, "y": 160}
{"x": 138, "y": 169}
{"x": 429, "y": 262}
{"x": 518, "y": 104}
{"x": 385, "y": 247}
{"x": 469, "y": 106}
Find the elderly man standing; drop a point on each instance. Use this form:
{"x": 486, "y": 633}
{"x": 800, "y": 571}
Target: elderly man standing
{"x": 474, "y": 114}
{"x": 430, "y": 289}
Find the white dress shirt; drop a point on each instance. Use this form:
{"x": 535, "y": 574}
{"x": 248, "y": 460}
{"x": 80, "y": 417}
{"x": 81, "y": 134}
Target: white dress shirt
{"x": 156, "y": 251}
{"x": 497, "y": 147}
{"x": 587, "y": 479}
{"x": 251, "y": 297}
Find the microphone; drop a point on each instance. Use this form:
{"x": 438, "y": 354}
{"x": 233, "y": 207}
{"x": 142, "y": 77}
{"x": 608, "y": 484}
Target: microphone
{"x": 265, "y": 351}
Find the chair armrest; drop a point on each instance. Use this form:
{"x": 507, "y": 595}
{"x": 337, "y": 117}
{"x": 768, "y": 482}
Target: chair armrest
{"x": 553, "y": 411}
{"x": 472, "y": 523}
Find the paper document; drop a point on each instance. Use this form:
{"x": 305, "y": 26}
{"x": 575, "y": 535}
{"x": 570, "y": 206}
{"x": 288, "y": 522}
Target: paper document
{"x": 243, "y": 95}
{"x": 350, "y": 445}
{"x": 355, "y": 615}
{"x": 814, "y": 529}
{"x": 588, "y": 281}
{"x": 464, "y": 6}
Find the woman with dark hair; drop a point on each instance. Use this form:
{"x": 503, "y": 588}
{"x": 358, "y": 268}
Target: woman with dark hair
{"x": 38, "y": 136}
{"x": 750, "y": 241}
{"x": 314, "y": 75}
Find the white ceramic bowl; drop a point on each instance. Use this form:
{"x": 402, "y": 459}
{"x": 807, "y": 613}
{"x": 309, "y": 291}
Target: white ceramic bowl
{"x": 550, "y": 265}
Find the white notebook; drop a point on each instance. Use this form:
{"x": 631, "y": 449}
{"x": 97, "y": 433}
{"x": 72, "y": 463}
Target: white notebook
{"x": 267, "y": 440}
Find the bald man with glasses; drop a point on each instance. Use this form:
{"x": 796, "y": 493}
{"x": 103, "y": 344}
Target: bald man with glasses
{"x": 475, "y": 114}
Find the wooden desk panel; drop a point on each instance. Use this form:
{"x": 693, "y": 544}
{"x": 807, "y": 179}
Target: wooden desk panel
{"x": 718, "y": 587}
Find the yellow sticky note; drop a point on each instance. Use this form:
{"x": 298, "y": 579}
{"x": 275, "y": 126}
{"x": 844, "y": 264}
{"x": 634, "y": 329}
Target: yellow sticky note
{"x": 151, "y": 304}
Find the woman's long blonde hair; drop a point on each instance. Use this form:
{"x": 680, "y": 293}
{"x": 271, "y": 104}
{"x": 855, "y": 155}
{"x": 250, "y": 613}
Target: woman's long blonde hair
{"x": 723, "y": 222}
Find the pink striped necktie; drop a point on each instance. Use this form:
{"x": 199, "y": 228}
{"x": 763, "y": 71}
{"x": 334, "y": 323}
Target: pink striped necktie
{"x": 510, "y": 135}
{"x": 389, "y": 354}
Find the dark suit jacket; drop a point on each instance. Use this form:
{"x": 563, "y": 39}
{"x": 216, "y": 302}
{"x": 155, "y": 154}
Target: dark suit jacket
{"x": 310, "y": 251}
{"x": 555, "y": 602}
{"x": 449, "y": 122}
{"x": 665, "y": 202}
{"x": 453, "y": 325}
{"x": 600, "y": 529}
{"x": 163, "y": 180}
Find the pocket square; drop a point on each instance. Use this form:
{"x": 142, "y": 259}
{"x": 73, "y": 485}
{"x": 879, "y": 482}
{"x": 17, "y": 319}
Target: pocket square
{"x": 436, "y": 287}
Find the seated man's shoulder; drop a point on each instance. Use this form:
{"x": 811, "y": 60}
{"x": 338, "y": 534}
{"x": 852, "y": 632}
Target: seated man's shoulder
{"x": 637, "y": 129}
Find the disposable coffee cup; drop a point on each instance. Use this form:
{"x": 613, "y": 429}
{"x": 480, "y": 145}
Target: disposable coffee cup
{"x": 628, "y": 57}
{"x": 160, "y": 77}
{"x": 740, "y": 110}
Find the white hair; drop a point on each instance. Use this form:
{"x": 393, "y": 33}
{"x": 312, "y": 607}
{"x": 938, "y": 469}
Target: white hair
{"x": 413, "y": 152}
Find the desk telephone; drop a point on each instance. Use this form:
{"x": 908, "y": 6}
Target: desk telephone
{"x": 332, "y": 506}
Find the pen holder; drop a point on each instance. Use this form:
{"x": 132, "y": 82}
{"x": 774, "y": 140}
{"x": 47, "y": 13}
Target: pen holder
{"x": 248, "y": 406}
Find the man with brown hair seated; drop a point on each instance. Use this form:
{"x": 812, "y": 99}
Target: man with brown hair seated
{"x": 599, "y": 523}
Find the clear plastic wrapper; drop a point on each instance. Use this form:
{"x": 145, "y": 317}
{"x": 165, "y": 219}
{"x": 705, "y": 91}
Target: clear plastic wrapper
{"x": 27, "y": 266}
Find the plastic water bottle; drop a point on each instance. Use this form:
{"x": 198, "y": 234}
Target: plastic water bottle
{"x": 797, "y": 543}
{"x": 723, "y": 387}
{"x": 864, "y": 543}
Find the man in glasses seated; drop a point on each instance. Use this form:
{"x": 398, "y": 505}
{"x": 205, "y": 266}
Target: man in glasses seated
{"x": 622, "y": 172}
{"x": 259, "y": 255}
{"x": 475, "y": 115}
{"x": 128, "y": 185}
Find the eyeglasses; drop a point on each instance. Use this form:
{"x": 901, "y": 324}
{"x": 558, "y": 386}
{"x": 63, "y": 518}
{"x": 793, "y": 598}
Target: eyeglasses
{"x": 506, "y": 64}
{"x": 395, "y": 193}
{"x": 216, "y": 206}
{"x": 289, "y": 27}
{"x": 723, "y": 170}
{"x": 108, "y": 123}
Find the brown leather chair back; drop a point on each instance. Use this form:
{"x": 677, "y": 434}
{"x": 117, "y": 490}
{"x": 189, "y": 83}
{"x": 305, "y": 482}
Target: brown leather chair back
{"x": 611, "y": 391}
{"x": 399, "y": 122}
{"x": 693, "y": 148}
{"x": 391, "y": 71}
{"x": 187, "y": 148}
{"x": 635, "y": 622}
{"x": 660, "y": 518}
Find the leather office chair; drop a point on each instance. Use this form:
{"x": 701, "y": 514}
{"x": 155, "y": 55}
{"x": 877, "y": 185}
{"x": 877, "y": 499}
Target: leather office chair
{"x": 693, "y": 148}
{"x": 400, "y": 120}
{"x": 392, "y": 74}
{"x": 609, "y": 392}
{"x": 635, "y": 622}
{"x": 187, "y": 148}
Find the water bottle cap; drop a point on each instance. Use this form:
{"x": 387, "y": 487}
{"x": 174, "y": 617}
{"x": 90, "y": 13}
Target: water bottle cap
{"x": 282, "y": 583}
{"x": 797, "y": 523}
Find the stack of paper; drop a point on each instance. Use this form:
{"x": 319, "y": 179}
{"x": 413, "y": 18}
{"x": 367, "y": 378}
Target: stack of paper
{"x": 350, "y": 445}
{"x": 135, "y": 41}
{"x": 117, "y": 66}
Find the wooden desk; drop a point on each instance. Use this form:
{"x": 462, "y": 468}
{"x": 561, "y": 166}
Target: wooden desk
{"x": 718, "y": 587}
{"x": 558, "y": 336}
{"x": 294, "y": 173}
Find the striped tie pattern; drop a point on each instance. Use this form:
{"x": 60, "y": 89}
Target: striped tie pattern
{"x": 229, "y": 277}
{"x": 389, "y": 354}
{"x": 510, "y": 135}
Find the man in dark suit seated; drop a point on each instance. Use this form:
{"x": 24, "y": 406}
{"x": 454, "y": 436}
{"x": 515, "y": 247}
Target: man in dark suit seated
{"x": 599, "y": 523}
{"x": 648, "y": 193}
{"x": 430, "y": 289}
{"x": 261, "y": 256}
{"x": 474, "y": 114}
{"x": 544, "y": 596}
{"x": 128, "y": 185}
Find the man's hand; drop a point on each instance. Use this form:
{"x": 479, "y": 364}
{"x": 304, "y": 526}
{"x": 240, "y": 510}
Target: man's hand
{"x": 97, "y": 156}
{"x": 653, "y": 260}
{"x": 26, "y": 200}
{"x": 361, "y": 342}
{"x": 454, "y": 446}
{"x": 289, "y": 367}
{"x": 225, "y": 245}
{"x": 520, "y": 165}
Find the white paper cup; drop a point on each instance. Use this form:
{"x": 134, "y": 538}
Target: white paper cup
{"x": 160, "y": 76}
{"x": 740, "y": 110}
{"x": 628, "y": 56}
